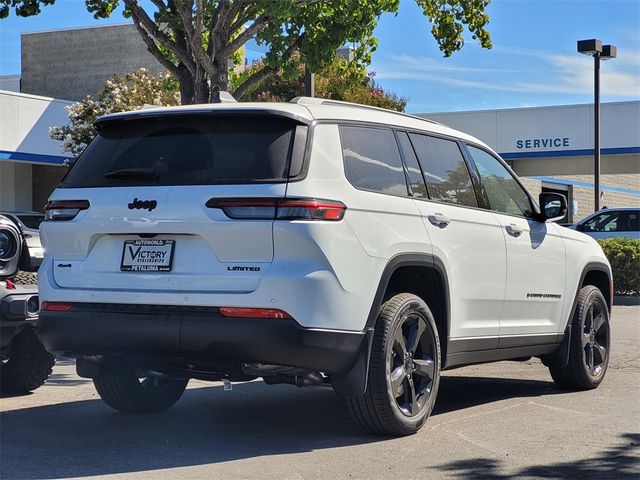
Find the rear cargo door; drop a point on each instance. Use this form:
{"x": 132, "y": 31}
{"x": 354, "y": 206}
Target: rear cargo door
{"x": 145, "y": 224}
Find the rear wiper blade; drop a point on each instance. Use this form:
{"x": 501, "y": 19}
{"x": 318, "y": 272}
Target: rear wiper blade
{"x": 126, "y": 173}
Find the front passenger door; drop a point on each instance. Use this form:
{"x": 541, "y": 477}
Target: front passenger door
{"x": 535, "y": 286}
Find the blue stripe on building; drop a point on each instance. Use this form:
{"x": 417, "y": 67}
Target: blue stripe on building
{"x": 570, "y": 153}
{"x": 627, "y": 191}
{"x": 32, "y": 157}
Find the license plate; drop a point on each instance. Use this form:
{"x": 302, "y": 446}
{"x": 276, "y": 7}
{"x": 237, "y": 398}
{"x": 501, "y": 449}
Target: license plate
{"x": 147, "y": 255}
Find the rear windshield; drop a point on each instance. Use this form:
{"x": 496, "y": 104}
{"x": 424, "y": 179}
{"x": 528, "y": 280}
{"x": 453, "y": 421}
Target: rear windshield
{"x": 186, "y": 150}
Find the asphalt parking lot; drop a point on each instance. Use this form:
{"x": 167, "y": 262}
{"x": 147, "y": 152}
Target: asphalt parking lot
{"x": 503, "y": 420}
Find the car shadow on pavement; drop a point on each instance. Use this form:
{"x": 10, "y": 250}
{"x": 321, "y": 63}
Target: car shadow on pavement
{"x": 459, "y": 392}
{"x": 618, "y": 462}
{"x": 206, "y": 426}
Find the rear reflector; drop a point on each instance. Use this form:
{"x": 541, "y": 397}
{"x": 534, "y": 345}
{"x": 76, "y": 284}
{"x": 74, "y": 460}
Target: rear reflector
{"x": 55, "y": 307}
{"x": 279, "y": 209}
{"x": 240, "y": 312}
{"x": 64, "y": 209}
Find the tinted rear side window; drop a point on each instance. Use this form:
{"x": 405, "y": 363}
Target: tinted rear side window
{"x": 372, "y": 160}
{"x": 414, "y": 174}
{"x": 445, "y": 170}
{"x": 186, "y": 150}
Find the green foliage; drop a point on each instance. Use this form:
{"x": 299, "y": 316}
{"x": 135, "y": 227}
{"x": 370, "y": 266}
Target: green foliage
{"x": 121, "y": 94}
{"x": 331, "y": 82}
{"x": 196, "y": 39}
{"x": 624, "y": 257}
{"x": 449, "y": 17}
{"x": 23, "y": 8}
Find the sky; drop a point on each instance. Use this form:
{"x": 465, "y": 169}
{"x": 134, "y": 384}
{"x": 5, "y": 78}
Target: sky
{"x": 533, "y": 61}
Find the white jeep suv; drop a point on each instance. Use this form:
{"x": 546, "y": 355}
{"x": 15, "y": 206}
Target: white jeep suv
{"x": 310, "y": 242}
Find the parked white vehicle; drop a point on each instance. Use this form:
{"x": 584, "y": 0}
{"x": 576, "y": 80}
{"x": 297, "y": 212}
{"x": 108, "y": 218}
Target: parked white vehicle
{"x": 611, "y": 223}
{"x": 310, "y": 242}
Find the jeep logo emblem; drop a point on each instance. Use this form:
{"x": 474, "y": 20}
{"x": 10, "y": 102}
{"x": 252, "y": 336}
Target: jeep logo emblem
{"x": 142, "y": 204}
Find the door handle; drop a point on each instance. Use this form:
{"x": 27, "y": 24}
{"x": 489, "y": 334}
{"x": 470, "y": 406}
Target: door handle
{"x": 439, "y": 220}
{"x": 514, "y": 230}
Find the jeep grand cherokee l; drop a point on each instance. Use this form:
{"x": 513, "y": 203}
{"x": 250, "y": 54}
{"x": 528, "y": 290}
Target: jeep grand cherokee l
{"x": 310, "y": 242}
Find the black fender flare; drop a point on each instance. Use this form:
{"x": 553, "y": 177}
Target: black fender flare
{"x": 354, "y": 382}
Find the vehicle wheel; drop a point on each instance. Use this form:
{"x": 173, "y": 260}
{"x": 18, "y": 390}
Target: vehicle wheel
{"x": 124, "y": 389}
{"x": 589, "y": 347}
{"x": 404, "y": 371}
{"x": 29, "y": 364}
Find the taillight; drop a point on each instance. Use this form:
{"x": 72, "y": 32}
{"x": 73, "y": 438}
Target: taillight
{"x": 246, "y": 209}
{"x": 310, "y": 209}
{"x": 55, "y": 307}
{"x": 64, "y": 209}
{"x": 244, "y": 312}
{"x": 279, "y": 209}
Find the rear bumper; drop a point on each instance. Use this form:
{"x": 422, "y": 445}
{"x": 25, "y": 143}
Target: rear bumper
{"x": 193, "y": 335}
{"x": 14, "y": 313}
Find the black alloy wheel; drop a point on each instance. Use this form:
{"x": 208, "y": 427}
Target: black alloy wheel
{"x": 412, "y": 364}
{"x": 589, "y": 345}
{"x": 595, "y": 338}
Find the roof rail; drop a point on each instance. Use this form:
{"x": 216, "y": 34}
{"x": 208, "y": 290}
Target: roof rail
{"x": 338, "y": 103}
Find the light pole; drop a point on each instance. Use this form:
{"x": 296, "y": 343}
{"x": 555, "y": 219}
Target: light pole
{"x": 309, "y": 83}
{"x": 594, "y": 48}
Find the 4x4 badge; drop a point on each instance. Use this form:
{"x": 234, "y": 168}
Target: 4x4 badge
{"x": 143, "y": 204}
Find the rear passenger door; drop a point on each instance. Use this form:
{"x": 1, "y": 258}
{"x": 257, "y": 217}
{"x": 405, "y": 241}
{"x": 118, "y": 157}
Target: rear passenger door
{"x": 381, "y": 214}
{"x": 466, "y": 239}
{"x": 535, "y": 255}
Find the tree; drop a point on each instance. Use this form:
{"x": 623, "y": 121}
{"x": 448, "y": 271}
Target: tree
{"x": 196, "y": 40}
{"x": 121, "y": 94}
{"x": 329, "y": 83}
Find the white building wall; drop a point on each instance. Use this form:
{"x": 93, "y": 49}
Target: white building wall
{"x": 15, "y": 186}
{"x": 562, "y": 128}
{"x": 10, "y": 83}
{"x": 24, "y": 141}
{"x": 553, "y": 147}
{"x": 25, "y": 121}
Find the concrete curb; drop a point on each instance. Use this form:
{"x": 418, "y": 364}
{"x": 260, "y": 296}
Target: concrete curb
{"x": 626, "y": 300}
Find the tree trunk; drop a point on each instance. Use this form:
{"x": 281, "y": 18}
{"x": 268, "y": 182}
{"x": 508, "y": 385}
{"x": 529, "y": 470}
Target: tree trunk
{"x": 187, "y": 90}
{"x": 220, "y": 81}
{"x": 201, "y": 86}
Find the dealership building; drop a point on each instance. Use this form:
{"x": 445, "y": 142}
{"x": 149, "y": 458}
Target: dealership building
{"x": 551, "y": 148}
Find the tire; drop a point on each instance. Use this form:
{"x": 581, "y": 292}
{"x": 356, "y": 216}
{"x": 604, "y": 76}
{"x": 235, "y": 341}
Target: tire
{"x": 404, "y": 374}
{"x": 589, "y": 346}
{"x": 29, "y": 364}
{"x": 25, "y": 278}
{"x": 122, "y": 388}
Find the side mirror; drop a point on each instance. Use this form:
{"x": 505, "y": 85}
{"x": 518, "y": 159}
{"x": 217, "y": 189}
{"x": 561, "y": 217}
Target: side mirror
{"x": 580, "y": 227}
{"x": 10, "y": 248}
{"x": 553, "y": 206}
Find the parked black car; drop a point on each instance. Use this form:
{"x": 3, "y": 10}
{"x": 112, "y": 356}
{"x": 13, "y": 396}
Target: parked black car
{"x": 26, "y": 364}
